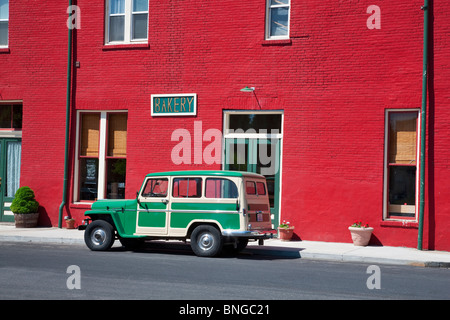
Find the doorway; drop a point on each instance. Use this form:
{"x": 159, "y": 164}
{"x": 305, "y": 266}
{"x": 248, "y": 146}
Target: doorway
{"x": 10, "y": 158}
{"x": 252, "y": 142}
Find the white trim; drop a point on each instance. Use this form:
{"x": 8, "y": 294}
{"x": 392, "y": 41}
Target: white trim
{"x": 385, "y": 165}
{"x": 174, "y": 95}
{"x": 5, "y": 133}
{"x": 268, "y": 21}
{"x": 128, "y": 23}
{"x": 256, "y": 135}
{"x": 226, "y": 135}
{"x": 102, "y": 157}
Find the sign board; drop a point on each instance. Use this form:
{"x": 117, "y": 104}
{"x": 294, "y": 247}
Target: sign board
{"x": 184, "y": 104}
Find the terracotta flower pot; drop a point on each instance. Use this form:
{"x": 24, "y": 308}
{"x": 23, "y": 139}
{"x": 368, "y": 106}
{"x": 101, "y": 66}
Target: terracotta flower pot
{"x": 361, "y": 236}
{"x": 26, "y": 220}
{"x": 285, "y": 234}
{"x": 70, "y": 224}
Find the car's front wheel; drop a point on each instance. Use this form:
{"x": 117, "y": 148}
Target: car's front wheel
{"x": 99, "y": 235}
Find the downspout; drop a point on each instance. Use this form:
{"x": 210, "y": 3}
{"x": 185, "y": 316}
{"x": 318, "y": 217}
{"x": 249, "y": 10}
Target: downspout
{"x": 66, "y": 147}
{"x": 423, "y": 131}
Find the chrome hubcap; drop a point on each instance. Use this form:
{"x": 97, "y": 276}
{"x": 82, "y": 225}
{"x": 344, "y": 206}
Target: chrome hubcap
{"x": 98, "y": 237}
{"x": 205, "y": 241}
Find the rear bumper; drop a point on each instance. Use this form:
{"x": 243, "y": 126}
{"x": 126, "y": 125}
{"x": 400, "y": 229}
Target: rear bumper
{"x": 248, "y": 234}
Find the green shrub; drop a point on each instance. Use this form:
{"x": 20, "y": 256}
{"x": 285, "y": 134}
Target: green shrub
{"x": 24, "y": 201}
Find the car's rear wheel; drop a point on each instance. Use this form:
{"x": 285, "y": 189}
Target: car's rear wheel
{"x": 206, "y": 241}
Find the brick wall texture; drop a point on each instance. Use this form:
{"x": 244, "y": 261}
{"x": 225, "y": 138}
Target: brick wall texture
{"x": 334, "y": 79}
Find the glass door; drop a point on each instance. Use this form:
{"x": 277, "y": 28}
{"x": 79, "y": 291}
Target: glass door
{"x": 10, "y": 158}
{"x": 260, "y": 156}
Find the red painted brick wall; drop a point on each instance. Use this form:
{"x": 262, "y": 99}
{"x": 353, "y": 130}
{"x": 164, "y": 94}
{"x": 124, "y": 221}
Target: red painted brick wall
{"x": 334, "y": 79}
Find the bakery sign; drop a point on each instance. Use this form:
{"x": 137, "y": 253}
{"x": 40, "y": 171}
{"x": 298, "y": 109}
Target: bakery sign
{"x": 184, "y": 104}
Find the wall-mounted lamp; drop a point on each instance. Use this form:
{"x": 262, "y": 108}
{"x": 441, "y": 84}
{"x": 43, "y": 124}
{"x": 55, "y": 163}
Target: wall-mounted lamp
{"x": 247, "y": 89}
{"x": 251, "y": 89}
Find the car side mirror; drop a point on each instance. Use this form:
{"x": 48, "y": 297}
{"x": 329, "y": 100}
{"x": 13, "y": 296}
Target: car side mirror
{"x": 137, "y": 197}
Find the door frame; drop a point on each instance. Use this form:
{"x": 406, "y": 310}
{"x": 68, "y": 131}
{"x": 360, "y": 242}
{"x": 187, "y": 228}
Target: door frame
{"x": 247, "y": 137}
{"x": 150, "y": 209}
{"x": 5, "y": 202}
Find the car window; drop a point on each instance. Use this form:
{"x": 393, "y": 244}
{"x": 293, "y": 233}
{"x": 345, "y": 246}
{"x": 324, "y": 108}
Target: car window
{"x": 187, "y": 188}
{"x": 250, "y": 187}
{"x": 220, "y": 188}
{"x": 155, "y": 188}
{"x": 261, "y": 188}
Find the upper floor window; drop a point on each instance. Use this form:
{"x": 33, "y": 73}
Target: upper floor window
{"x": 4, "y": 21}
{"x": 277, "y": 19}
{"x": 126, "y": 21}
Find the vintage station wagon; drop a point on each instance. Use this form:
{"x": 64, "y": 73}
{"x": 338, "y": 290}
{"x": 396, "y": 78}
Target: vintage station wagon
{"x": 211, "y": 209}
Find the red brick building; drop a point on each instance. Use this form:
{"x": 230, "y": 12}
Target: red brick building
{"x": 333, "y": 120}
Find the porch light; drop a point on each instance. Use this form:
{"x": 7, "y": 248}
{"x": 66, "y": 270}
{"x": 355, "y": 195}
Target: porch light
{"x": 247, "y": 89}
{"x": 251, "y": 89}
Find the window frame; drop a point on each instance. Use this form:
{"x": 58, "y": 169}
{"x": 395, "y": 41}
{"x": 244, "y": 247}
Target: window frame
{"x": 3, "y": 46}
{"x": 386, "y": 212}
{"x": 269, "y": 8}
{"x": 220, "y": 180}
{"x": 152, "y": 195}
{"x": 13, "y": 106}
{"x": 102, "y": 154}
{"x": 128, "y": 24}
{"x": 179, "y": 179}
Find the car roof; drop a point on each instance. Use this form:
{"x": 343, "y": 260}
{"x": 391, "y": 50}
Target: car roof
{"x": 216, "y": 173}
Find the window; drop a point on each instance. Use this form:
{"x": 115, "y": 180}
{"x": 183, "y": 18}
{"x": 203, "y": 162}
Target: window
{"x": 277, "y": 19}
{"x": 258, "y": 123}
{"x": 401, "y": 164}
{"x": 4, "y": 22}
{"x": 156, "y": 188}
{"x": 220, "y": 188}
{"x": 253, "y": 188}
{"x": 187, "y": 188}
{"x": 260, "y": 188}
{"x": 101, "y": 162}
{"x": 11, "y": 116}
{"x": 89, "y": 155}
{"x": 127, "y": 21}
{"x": 250, "y": 187}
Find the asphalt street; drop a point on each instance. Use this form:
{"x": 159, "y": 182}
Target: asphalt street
{"x": 167, "y": 272}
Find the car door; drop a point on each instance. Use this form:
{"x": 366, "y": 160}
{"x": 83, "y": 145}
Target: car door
{"x": 152, "y": 210}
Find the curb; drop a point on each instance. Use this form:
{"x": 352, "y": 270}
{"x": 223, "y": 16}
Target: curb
{"x": 266, "y": 250}
{"x": 32, "y": 239}
{"x": 296, "y": 253}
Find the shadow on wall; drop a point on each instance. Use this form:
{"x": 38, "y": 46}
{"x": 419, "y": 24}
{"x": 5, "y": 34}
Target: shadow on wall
{"x": 44, "y": 219}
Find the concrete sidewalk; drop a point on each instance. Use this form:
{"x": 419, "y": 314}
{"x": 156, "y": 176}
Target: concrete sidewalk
{"x": 314, "y": 250}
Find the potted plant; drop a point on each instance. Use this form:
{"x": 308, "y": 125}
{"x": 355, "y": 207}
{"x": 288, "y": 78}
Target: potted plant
{"x": 360, "y": 233}
{"x": 70, "y": 223}
{"x": 285, "y": 231}
{"x": 25, "y": 208}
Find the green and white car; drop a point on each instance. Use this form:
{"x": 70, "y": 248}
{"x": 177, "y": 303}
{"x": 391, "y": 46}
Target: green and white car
{"x": 212, "y": 209}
